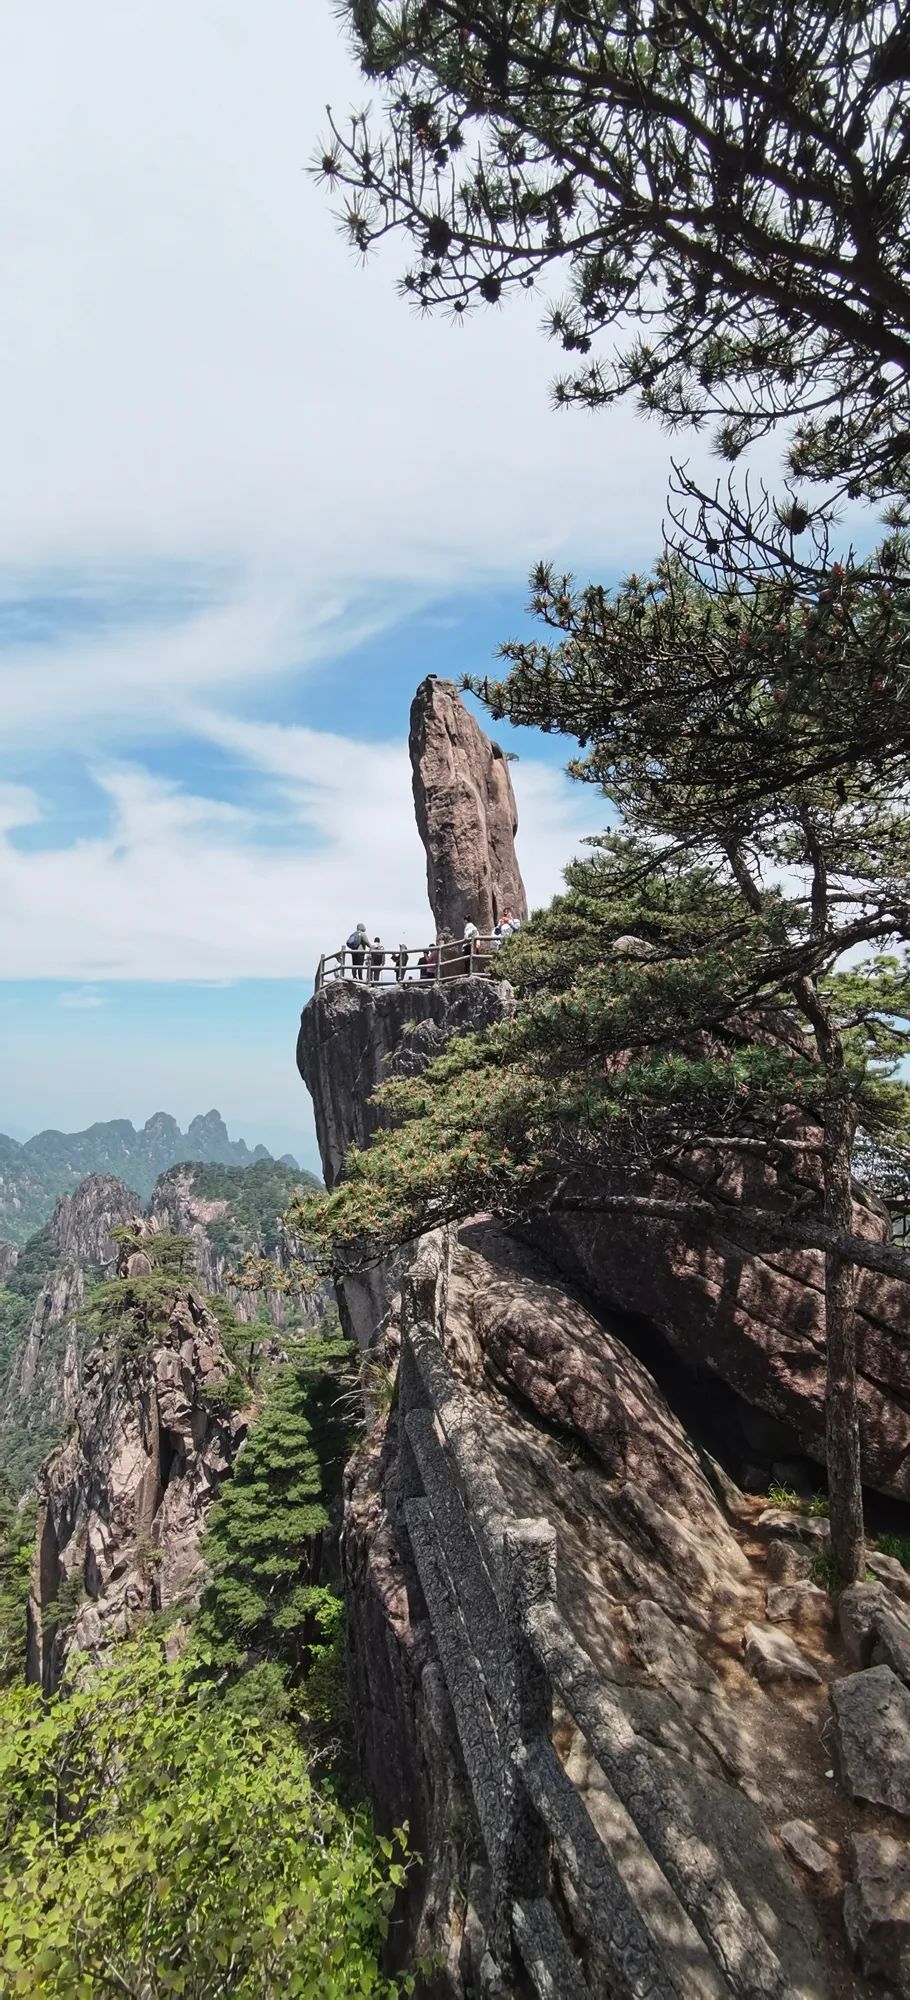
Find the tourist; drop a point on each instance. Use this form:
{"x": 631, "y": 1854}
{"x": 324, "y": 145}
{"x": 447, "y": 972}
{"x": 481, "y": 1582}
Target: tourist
{"x": 471, "y": 935}
{"x": 507, "y": 926}
{"x": 427, "y": 963}
{"x": 400, "y": 962}
{"x": 377, "y": 961}
{"x": 357, "y": 946}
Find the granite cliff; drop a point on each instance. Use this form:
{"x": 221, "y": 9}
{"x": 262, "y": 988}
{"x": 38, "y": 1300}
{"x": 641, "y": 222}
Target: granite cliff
{"x": 122, "y": 1503}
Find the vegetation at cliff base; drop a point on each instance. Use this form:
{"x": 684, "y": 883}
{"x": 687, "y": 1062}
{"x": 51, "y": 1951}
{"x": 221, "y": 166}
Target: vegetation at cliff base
{"x": 154, "y": 1844}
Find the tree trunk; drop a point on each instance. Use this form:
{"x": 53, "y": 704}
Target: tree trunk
{"x": 845, "y": 1493}
{"x": 841, "y": 1414}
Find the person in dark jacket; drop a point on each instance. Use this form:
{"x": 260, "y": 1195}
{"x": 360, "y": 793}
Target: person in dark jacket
{"x": 400, "y": 962}
{"x": 357, "y": 946}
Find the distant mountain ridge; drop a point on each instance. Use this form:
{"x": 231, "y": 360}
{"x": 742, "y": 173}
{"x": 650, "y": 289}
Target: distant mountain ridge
{"x": 34, "y": 1174}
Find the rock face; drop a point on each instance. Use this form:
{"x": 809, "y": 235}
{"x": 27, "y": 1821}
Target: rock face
{"x": 83, "y": 1220}
{"x": 39, "y": 1394}
{"x": 652, "y": 1581}
{"x": 755, "y": 1321}
{"x": 122, "y": 1503}
{"x": 354, "y": 1037}
{"x": 466, "y": 813}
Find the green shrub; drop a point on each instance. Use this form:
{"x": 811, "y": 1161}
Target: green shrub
{"x": 195, "y": 1856}
{"x": 897, "y": 1546}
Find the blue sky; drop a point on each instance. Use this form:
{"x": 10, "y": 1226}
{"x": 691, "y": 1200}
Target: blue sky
{"x": 249, "y": 502}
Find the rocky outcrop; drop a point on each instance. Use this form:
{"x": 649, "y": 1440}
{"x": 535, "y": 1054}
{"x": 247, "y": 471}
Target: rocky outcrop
{"x": 9, "y": 1257}
{"x": 83, "y": 1221}
{"x": 353, "y": 1037}
{"x": 466, "y": 813}
{"x": 232, "y": 1214}
{"x": 40, "y": 1391}
{"x": 122, "y": 1503}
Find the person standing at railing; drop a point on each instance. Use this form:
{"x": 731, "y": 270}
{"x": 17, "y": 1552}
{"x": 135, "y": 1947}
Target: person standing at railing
{"x": 356, "y": 944}
{"x": 471, "y": 934}
{"x": 400, "y": 962}
{"x": 377, "y": 961}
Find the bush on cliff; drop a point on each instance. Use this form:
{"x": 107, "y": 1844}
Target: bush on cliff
{"x": 154, "y": 1845}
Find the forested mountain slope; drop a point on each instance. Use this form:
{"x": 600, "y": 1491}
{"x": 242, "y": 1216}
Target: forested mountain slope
{"x": 229, "y": 1213}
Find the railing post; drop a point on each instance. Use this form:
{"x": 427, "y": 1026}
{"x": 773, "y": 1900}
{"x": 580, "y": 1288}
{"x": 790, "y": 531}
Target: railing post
{"x": 522, "y": 1867}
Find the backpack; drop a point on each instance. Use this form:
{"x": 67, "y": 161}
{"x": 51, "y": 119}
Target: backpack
{"x": 355, "y": 942}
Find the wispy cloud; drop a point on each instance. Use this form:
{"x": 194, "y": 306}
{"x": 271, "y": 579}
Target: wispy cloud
{"x": 183, "y": 887}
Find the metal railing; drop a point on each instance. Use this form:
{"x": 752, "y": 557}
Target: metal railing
{"x": 489, "y": 1584}
{"x": 391, "y": 966}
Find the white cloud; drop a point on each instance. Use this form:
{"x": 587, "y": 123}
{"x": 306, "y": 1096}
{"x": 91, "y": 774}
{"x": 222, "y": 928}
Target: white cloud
{"x": 195, "y": 365}
{"x": 81, "y": 997}
{"x": 184, "y": 887}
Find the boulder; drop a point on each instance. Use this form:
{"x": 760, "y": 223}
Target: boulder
{"x": 803, "y": 1527}
{"x": 872, "y": 1737}
{"x": 891, "y": 1644}
{"x": 856, "y": 1610}
{"x": 891, "y": 1572}
{"x": 466, "y": 813}
{"x": 861, "y": 1610}
{"x": 799, "y": 1604}
{"x": 788, "y": 1562}
{"x": 772, "y": 1656}
{"x": 801, "y": 1841}
{"x": 877, "y": 1908}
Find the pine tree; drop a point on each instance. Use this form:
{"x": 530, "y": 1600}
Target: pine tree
{"x": 265, "y": 1606}
{"x": 724, "y": 186}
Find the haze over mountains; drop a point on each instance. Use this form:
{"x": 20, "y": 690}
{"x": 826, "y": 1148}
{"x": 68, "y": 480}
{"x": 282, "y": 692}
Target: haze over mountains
{"x": 35, "y": 1173}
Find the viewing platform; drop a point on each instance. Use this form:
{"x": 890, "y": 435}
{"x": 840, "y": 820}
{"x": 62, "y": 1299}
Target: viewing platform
{"x": 394, "y": 966}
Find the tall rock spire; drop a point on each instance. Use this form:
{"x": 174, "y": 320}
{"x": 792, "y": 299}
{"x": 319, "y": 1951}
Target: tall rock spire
{"x": 466, "y": 813}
